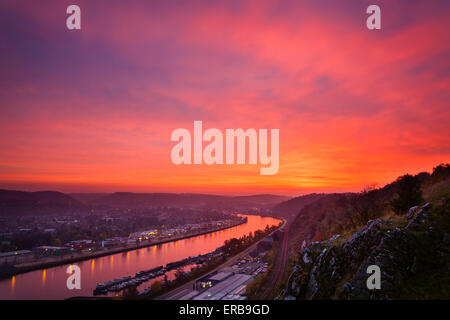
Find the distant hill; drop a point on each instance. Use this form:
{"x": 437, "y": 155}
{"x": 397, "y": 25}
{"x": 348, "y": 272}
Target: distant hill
{"x": 87, "y": 197}
{"x": 136, "y": 200}
{"x": 52, "y": 202}
{"x": 261, "y": 199}
{"x": 36, "y": 203}
{"x": 292, "y": 207}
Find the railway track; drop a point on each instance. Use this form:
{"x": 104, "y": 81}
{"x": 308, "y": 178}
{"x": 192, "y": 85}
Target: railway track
{"x": 280, "y": 266}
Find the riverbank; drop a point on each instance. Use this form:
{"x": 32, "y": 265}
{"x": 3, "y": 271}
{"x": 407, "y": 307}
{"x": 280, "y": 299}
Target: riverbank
{"x": 23, "y": 268}
{"x": 187, "y": 283}
{"x": 230, "y": 261}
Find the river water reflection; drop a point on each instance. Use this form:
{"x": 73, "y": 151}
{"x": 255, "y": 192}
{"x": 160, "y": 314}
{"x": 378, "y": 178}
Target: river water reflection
{"x": 51, "y": 283}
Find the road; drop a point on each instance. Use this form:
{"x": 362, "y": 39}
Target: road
{"x": 189, "y": 285}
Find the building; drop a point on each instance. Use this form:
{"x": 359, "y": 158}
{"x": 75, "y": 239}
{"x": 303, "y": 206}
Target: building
{"x": 112, "y": 242}
{"x": 16, "y": 257}
{"x": 49, "y": 251}
{"x": 212, "y": 279}
{"x": 132, "y": 241}
{"x": 144, "y": 235}
{"x": 169, "y": 232}
{"x": 79, "y": 244}
{"x": 231, "y": 288}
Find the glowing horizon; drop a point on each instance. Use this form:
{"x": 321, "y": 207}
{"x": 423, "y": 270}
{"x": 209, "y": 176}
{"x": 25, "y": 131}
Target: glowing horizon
{"x": 93, "y": 110}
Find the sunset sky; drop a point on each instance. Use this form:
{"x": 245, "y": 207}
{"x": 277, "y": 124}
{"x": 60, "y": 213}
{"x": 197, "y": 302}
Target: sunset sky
{"x": 93, "y": 110}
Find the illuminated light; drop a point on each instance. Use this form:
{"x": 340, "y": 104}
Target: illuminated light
{"x": 44, "y": 276}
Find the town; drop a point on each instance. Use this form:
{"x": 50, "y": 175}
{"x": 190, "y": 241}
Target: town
{"x": 28, "y": 239}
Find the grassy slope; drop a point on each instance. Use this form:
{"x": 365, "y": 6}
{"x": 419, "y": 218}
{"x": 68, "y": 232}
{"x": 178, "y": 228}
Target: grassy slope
{"x": 434, "y": 280}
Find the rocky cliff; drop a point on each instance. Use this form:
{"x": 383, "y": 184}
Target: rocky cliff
{"x": 412, "y": 253}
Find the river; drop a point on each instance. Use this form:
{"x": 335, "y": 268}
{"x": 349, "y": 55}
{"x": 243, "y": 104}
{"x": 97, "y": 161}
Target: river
{"x": 51, "y": 283}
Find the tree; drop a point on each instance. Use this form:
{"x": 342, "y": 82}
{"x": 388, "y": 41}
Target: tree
{"x": 409, "y": 194}
{"x": 130, "y": 293}
{"x": 57, "y": 242}
{"x": 364, "y": 207}
{"x": 441, "y": 172}
{"x": 179, "y": 273}
{"x": 156, "y": 286}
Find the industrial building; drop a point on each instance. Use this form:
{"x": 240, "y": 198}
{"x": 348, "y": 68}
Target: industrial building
{"x": 47, "y": 251}
{"x": 15, "y": 257}
{"x": 211, "y": 280}
{"x": 231, "y": 286}
{"x": 229, "y": 283}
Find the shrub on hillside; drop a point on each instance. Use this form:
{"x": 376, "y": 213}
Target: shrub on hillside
{"x": 409, "y": 194}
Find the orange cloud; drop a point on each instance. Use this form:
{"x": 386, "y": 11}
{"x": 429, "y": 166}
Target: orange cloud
{"x": 95, "y": 110}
